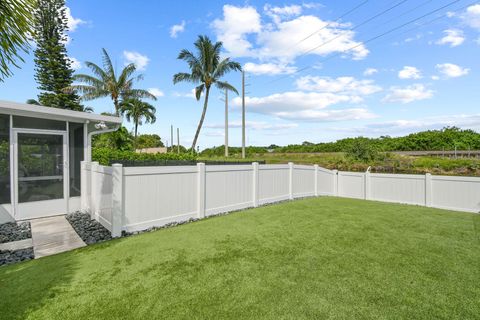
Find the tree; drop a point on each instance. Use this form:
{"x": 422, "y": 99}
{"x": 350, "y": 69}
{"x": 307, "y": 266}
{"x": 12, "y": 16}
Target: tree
{"x": 149, "y": 141}
{"x": 117, "y": 140}
{"x": 15, "y": 27}
{"x": 105, "y": 83}
{"x": 206, "y": 69}
{"x": 138, "y": 112}
{"x": 53, "y": 70}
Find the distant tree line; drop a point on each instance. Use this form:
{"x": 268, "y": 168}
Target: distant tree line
{"x": 445, "y": 139}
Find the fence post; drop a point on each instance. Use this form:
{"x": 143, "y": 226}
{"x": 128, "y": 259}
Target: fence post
{"x": 290, "y": 180}
{"x": 367, "y": 185}
{"x": 201, "y": 190}
{"x": 94, "y": 189}
{"x": 315, "y": 172}
{"x": 428, "y": 190}
{"x": 335, "y": 183}
{"x": 118, "y": 208}
{"x": 255, "y": 184}
{"x": 85, "y": 185}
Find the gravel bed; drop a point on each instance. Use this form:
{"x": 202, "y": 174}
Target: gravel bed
{"x": 11, "y": 257}
{"x": 90, "y": 230}
{"x": 12, "y": 231}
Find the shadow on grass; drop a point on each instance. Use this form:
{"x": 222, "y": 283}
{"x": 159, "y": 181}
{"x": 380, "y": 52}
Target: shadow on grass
{"x": 28, "y": 286}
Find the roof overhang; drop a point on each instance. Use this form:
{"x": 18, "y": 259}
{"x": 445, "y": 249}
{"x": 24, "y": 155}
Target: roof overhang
{"x": 35, "y": 111}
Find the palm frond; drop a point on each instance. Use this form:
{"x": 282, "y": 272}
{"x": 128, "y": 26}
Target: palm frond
{"x": 198, "y": 91}
{"x": 107, "y": 64}
{"x": 225, "y": 85}
{"x": 225, "y": 66}
{"x": 138, "y": 94}
{"x": 185, "y": 77}
{"x": 89, "y": 80}
{"x": 96, "y": 70}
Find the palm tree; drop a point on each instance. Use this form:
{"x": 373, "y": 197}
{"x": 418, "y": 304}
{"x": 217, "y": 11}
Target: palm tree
{"x": 105, "y": 82}
{"x": 138, "y": 112}
{"x": 206, "y": 69}
{"x": 15, "y": 27}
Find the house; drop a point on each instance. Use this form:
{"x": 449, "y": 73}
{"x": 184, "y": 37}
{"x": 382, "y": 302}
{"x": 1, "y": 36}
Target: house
{"x": 40, "y": 153}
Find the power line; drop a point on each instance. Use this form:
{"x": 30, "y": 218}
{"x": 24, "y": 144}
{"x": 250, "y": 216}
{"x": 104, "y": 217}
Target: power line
{"x": 356, "y": 27}
{"x": 330, "y": 23}
{"x": 374, "y": 38}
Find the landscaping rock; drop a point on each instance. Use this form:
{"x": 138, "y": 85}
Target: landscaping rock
{"x": 11, "y": 257}
{"x": 90, "y": 230}
{"x": 12, "y": 231}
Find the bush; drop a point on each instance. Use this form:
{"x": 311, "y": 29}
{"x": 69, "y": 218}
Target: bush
{"x": 362, "y": 150}
{"x": 105, "y": 156}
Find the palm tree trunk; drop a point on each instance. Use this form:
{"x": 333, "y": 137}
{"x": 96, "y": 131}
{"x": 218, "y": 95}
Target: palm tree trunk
{"x": 117, "y": 107}
{"x": 205, "y": 104}
{"x": 135, "y": 141}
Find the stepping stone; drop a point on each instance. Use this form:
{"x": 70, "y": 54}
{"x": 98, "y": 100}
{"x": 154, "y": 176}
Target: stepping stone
{"x": 53, "y": 235}
{"x": 16, "y": 245}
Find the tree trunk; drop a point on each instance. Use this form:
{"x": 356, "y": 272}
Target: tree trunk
{"x": 117, "y": 107}
{"x": 135, "y": 139}
{"x": 205, "y": 104}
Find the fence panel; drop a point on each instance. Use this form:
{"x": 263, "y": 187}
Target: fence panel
{"x": 400, "y": 188}
{"x": 228, "y": 188}
{"x": 273, "y": 183}
{"x": 325, "y": 182}
{"x": 101, "y": 197}
{"x": 155, "y": 196}
{"x": 351, "y": 185}
{"x": 456, "y": 193}
{"x": 303, "y": 181}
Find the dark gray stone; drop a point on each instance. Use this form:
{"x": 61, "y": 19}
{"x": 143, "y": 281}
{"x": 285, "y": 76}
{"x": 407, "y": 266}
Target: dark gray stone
{"x": 12, "y": 231}
{"x": 11, "y": 257}
{"x": 90, "y": 230}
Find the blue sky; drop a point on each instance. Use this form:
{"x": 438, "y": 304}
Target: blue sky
{"x": 422, "y": 76}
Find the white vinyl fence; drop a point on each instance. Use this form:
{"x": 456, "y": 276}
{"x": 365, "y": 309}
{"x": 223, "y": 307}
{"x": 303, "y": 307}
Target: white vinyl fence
{"x": 137, "y": 198}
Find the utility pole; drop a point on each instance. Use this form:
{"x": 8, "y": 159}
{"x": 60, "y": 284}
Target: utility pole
{"x": 243, "y": 114}
{"x": 178, "y": 140}
{"x": 171, "y": 138}
{"x": 226, "y": 123}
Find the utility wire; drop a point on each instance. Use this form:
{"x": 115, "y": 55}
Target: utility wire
{"x": 330, "y": 23}
{"x": 356, "y": 27}
{"x": 375, "y": 37}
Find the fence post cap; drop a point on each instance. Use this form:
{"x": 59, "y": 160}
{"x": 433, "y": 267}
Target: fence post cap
{"x": 118, "y": 165}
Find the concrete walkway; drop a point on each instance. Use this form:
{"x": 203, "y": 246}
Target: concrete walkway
{"x": 53, "y": 235}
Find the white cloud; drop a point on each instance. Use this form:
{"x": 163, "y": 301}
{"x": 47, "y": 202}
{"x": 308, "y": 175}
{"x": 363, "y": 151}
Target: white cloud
{"x": 268, "y": 68}
{"x": 450, "y": 70}
{"x": 244, "y": 35}
{"x": 279, "y": 13}
{"x": 156, "y": 92}
{"x": 75, "y": 64}
{"x": 190, "y": 94}
{"x": 345, "y": 85}
{"x": 370, "y": 72}
{"x": 140, "y": 61}
{"x": 408, "y": 94}
{"x": 409, "y": 73}
{"x": 233, "y": 29}
{"x": 304, "y": 106}
{"x": 177, "y": 28}
{"x": 471, "y": 16}
{"x": 453, "y": 37}
{"x": 72, "y": 23}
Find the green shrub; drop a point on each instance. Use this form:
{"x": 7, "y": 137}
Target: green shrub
{"x": 362, "y": 150}
{"x": 105, "y": 155}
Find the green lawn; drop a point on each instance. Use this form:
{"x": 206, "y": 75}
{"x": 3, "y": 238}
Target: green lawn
{"x": 309, "y": 259}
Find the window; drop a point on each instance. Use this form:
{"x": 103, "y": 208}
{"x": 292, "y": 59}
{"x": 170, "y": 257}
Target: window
{"x": 76, "y": 151}
{"x": 37, "y": 123}
{"x": 4, "y": 158}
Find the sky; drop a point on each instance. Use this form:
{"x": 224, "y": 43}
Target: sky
{"x": 315, "y": 71}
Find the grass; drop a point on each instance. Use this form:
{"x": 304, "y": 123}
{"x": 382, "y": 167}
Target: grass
{"x": 308, "y": 259}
